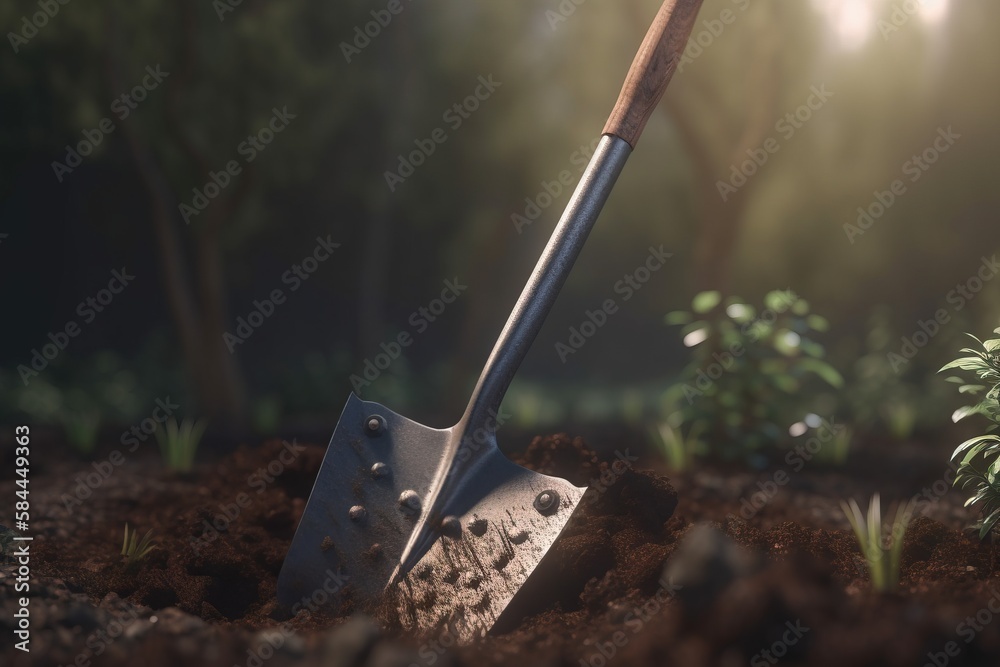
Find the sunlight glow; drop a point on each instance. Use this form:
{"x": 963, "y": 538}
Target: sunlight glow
{"x": 933, "y": 11}
{"x": 851, "y": 20}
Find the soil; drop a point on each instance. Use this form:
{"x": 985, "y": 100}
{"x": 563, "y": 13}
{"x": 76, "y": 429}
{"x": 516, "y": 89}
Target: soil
{"x": 650, "y": 570}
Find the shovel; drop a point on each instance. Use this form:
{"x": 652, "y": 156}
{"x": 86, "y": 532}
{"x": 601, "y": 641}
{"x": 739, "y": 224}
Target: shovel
{"x": 435, "y": 528}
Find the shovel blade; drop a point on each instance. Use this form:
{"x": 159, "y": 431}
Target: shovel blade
{"x": 367, "y": 502}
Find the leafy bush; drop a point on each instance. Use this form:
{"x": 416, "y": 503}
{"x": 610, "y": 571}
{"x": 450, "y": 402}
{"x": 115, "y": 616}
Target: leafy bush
{"x": 979, "y": 458}
{"x": 743, "y": 388}
{"x": 877, "y": 543}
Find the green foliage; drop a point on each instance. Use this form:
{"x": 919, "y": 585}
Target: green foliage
{"x": 882, "y": 546}
{"x": 744, "y": 385}
{"x": 885, "y": 393}
{"x": 978, "y": 458}
{"x": 135, "y": 550}
{"x": 179, "y": 442}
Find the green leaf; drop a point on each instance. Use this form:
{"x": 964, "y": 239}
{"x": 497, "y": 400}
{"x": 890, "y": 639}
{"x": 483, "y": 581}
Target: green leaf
{"x": 972, "y": 442}
{"x": 971, "y": 388}
{"x": 817, "y": 323}
{"x": 964, "y": 412}
{"x": 966, "y": 364}
{"x": 824, "y": 370}
{"x": 706, "y": 301}
{"x": 779, "y": 300}
{"x": 678, "y": 317}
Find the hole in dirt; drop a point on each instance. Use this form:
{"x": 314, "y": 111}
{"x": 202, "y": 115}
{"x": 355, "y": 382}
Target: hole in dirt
{"x": 233, "y": 596}
{"x": 160, "y": 598}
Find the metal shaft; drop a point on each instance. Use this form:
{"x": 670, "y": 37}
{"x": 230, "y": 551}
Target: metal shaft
{"x": 547, "y": 279}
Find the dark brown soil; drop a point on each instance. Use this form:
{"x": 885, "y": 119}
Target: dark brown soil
{"x": 790, "y": 569}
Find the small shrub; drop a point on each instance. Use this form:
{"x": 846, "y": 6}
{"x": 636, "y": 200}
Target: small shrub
{"x": 743, "y": 387}
{"x": 179, "y": 442}
{"x": 978, "y": 458}
{"x": 882, "y": 546}
{"x": 134, "y": 550}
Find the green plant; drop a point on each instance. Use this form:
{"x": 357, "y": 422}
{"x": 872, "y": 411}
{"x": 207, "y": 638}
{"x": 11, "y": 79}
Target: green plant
{"x": 978, "y": 458}
{"x": 134, "y": 550}
{"x": 746, "y": 382}
{"x": 81, "y": 428}
{"x": 677, "y": 450}
{"x": 179, "y": 442}
{"x": 882, "y": 549}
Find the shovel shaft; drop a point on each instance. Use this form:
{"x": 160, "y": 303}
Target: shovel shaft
{"x": 647, "y": 78}
{"x": 547, "y": 279}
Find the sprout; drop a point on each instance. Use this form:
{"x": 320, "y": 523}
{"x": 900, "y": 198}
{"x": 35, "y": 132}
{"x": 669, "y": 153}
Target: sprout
{"x": 875, "y": 544}
{"x": 135, "y": 550}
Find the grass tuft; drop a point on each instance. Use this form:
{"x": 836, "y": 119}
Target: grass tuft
{"x": 881, "y": 545}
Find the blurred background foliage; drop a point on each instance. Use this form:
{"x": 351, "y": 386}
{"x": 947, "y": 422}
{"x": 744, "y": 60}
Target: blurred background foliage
{"x": 893, "y": 89}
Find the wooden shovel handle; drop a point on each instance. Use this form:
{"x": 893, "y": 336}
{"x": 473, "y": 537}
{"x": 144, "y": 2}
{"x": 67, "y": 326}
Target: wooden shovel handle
{"x": 652, "y": 69}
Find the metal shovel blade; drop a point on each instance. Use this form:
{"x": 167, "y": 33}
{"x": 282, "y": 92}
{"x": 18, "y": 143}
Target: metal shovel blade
{"x": 368, "y": 504}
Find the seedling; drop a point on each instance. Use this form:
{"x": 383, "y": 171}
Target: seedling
{"x": 134, "y": 550}
{"x": 178, "y": 443}
{"x": 677, "y": 450}
{"x": 979, "y": 458}
{"x": 883, "y": 550}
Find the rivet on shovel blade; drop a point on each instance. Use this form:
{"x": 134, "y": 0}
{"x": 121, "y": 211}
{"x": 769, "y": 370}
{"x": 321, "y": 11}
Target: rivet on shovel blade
{"x": 357, "y": 513}
{"x": 410, "y": 501}
{"x": 375, "y": 425}
{"x": 547, "y": 502}
{"x": 380, "y": 470}
{"x": 451, "y": 527}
